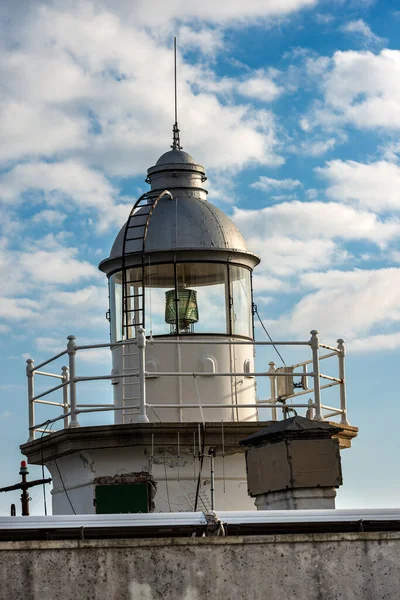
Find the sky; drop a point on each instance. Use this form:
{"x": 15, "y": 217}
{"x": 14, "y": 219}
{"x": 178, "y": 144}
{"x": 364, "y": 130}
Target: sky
{"x": 293, "y": 107}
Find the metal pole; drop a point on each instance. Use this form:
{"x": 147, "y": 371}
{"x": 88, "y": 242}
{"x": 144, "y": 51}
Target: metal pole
{"x": 272, "y": 383}
{"x": 314, "y": 343}
{"x": 342, "y": 375}
{"x": 211, "y": 453}
{"x": 65, "y": 378}
{"x": 31, "y": 393}
{"x": 25, "y": 494}
{"x": 141, "y": 344}
{"x": 71, "y": 349}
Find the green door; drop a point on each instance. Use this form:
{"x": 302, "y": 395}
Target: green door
{"x": 122, "y": 498}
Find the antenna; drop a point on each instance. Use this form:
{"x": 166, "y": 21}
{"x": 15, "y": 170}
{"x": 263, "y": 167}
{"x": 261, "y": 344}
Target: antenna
{"x": 176, "y": 142}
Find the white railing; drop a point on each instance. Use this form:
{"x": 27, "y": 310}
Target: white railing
{"x": 69, "y": 380}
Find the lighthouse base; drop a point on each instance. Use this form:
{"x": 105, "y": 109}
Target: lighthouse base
{"x": 149, "y": 467}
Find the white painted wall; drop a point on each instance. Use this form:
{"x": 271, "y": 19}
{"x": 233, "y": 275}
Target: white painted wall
{"x": 182, "y": 390}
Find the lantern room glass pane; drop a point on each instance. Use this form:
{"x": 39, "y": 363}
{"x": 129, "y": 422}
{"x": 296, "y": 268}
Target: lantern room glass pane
{"x": 159, "y": 280}
{"x": 125, "y": 328}
{"x": 202, "y": 298}
{"x": 116, "y": 307}
{"x": 242, "y": 320}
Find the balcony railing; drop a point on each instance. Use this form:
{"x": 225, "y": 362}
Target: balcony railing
{"x": 277, "y": 402}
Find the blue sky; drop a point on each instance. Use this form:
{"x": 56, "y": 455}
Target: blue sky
{"x": 293, "y": 107}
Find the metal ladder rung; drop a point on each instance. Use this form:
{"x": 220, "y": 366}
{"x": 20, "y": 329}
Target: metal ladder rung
{"x": 135, "y": 296}
{"x": 133, "y": 239}
{"x": 141, "y": 225}
{"x": 134, "y": 281}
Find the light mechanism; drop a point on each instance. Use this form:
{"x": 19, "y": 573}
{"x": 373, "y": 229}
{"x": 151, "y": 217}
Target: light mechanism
{"x": 185, "y": 303}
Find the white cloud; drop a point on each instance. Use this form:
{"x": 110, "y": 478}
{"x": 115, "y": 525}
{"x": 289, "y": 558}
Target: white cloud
{"x": 18, "y": 308}
{"x": 53, "y": 218}
{"x": 259, "y": 86}
{"x": 375, "y": 186}
{"x": 62, "y": 184}
{"x": 82, "y": 88}
{"x": 57, "y": 266}
{"x": 285, "y": 256}
{"x": 375, "y": 343}
{"x": 320, "y": 220}
{"x": 359, "y": 88}
{"x": 206, "y": 39}
{"x": 348, "y": 303}
{"x": 361, "y": 29}
{"x": 158, "y": 11}
{"x": 267, "y": 184}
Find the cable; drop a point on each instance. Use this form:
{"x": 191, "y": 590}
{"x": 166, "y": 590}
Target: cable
{"x": 41, "y": 456}
{"x": 165, "y": 465}
{"x": 201, "y": 467}
{"x": 270, "y": 338}
{"x": 62, "y": 482}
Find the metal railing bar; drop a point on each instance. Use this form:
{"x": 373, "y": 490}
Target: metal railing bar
{"x": 92, "y": 346}
{"x": 94, "y": 405}
{"x": 334, "y": 350}
{"x": 228, "y": 342}
{"x": 326, "y": 407}
{"x": 49, "y": 402}
{"x": 224, "y": 374}
{"x": 333, "y": 414}
{"x": 47, "y": 430}
{"x": 53, "y": 389}
{"x": 49, "y": 421}
{"x": 100, "y": 377}
{"x": 239, "y": 406}
{"x": 49, "y": 374}
{"x": 89, "y": 410}
{"x": 328, "y": 355}
{"x": 46, "y": 362}
{"x": 331, "y": 378}
{"x": 308, "y": 362}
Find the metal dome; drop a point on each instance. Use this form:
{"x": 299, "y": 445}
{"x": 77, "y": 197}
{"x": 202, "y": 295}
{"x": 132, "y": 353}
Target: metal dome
{"x": 175, "y": 157}
{"x": 182, "y": 222}
{"x": 185, "y": 224}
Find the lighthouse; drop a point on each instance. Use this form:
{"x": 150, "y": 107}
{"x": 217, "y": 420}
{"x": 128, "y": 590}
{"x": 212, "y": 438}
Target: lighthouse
{"x": 183, "y": 376}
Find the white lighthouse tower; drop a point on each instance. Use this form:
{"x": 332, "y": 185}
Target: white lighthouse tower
{"x": 180, "y": 269}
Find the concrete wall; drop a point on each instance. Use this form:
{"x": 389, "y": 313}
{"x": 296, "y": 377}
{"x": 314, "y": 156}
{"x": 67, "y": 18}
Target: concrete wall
{"x": 364, "y": 566}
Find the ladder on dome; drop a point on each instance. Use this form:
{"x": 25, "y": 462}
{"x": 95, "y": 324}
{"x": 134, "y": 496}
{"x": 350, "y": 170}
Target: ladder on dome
{"x": 133, "y": 292}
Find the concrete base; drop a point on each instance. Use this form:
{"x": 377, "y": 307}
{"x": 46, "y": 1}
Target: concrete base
{"x": 298, "y": 499}
{"x": 347, "y": 566}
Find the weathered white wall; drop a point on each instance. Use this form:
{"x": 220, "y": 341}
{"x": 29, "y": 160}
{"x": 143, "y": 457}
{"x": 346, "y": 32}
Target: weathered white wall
{"x": 362, "y": 566}
{"x": 79, "y": 470}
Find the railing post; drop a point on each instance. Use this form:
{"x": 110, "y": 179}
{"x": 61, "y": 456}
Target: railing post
{"x": 342, "y": 375}
{"x": 31, "y": 393}
{"x": 141, "y": 345}
{"x": 65, "y": 378}
{"x": 71, "y": 349}
{"x": 272, "y": 383}
{"x": 314, "y": 343}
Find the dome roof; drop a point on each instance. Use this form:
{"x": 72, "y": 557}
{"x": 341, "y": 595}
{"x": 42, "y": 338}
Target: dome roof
{"x": 188, "y": 223}
{"x": 175, "y": 157}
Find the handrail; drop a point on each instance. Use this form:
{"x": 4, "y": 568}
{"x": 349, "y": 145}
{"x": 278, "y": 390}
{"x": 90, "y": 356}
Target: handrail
{"x": 71, "y": 407}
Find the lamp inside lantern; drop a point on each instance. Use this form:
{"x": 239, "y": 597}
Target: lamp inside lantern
{"x": 188, "y": 312}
